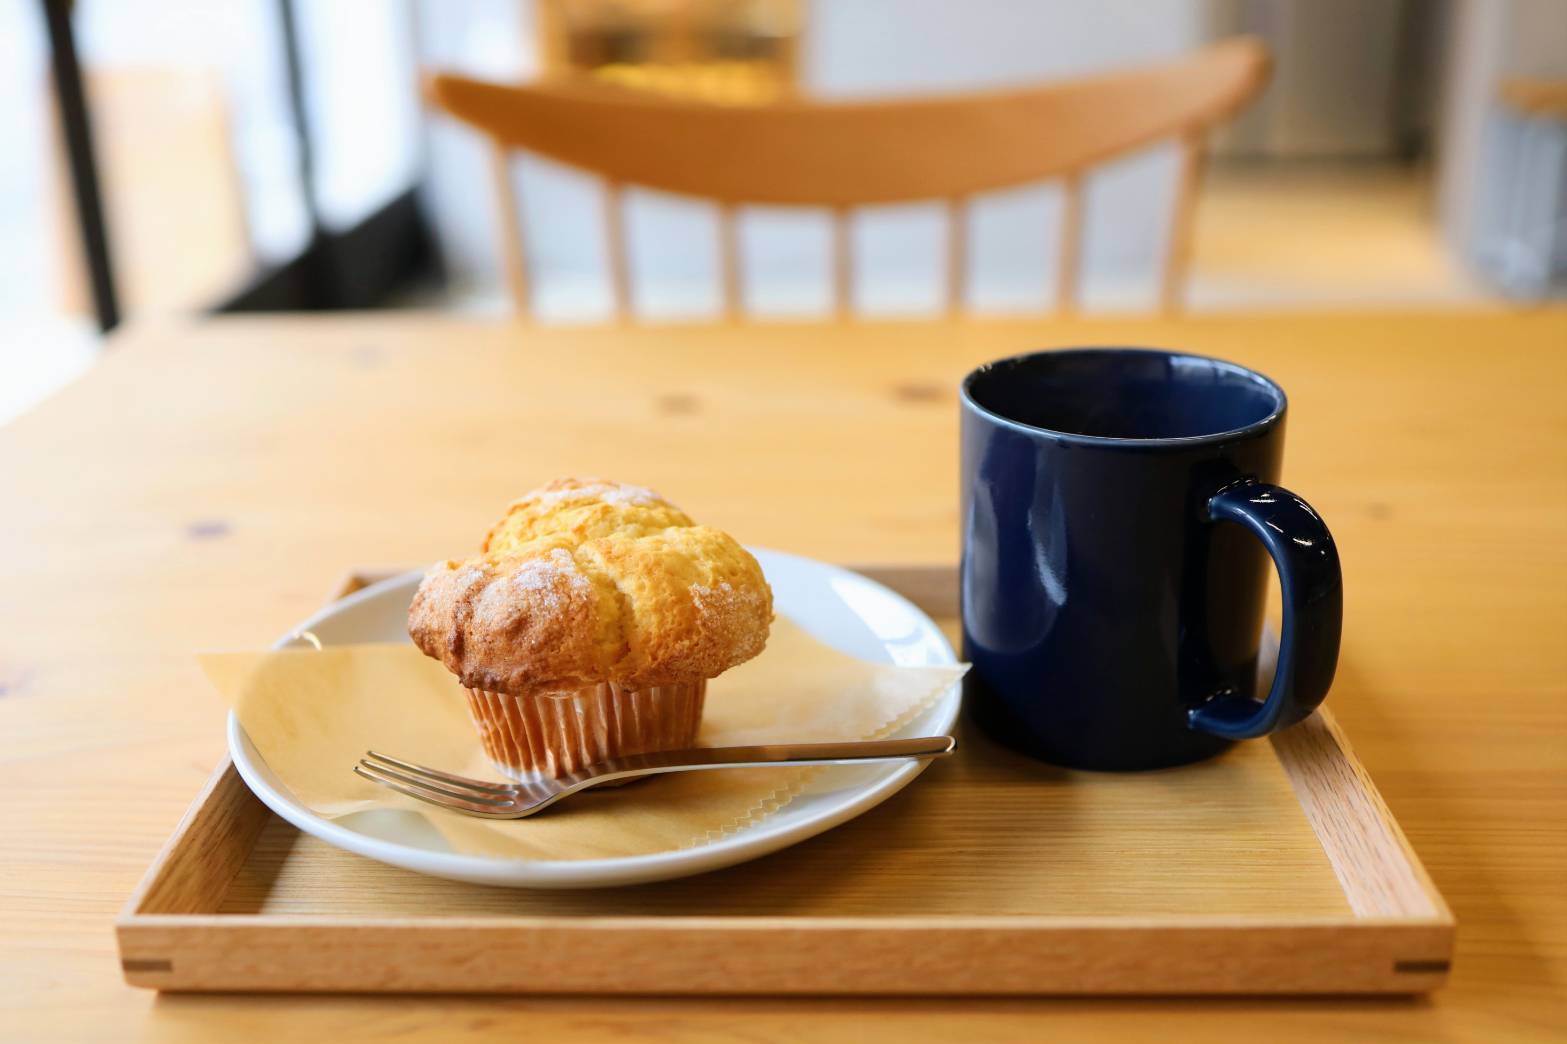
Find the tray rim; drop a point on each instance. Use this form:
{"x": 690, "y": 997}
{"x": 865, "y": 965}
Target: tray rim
{"x": 1395, "y": 906}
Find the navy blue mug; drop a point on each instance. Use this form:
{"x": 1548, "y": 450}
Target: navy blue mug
{"x": 1118, "y": 513}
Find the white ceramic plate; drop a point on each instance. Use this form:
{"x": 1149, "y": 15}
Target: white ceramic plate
{"x": 843, "y": 609}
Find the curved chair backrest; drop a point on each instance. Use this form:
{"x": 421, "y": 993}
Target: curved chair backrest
{"x": 840, "y": 155}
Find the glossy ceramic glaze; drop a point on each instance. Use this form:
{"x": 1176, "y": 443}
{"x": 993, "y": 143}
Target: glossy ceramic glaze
{"x": 1113, "y": 577}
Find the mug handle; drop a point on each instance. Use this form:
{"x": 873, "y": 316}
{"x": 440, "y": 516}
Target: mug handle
{"x": 1313, "y": 593}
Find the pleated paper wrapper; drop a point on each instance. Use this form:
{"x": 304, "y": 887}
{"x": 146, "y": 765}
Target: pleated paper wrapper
{"x": 312, "y": 714}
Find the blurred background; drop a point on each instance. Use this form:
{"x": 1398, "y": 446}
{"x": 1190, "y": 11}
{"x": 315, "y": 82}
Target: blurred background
{"x": 256, "y": 155}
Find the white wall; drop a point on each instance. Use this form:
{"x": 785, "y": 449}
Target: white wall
{"x": 360, "y": 95}
{"x": 362, "y": 100}
{"x": 481, "y": 38}
{"x": 240, "y": 40}
{"x": 878, "y": 47}
{"x": 1333, "y": 93}
{"x": 1491, "y": 40}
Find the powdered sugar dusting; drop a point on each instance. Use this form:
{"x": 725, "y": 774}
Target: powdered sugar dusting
{"x": 583, "y": 582}
{"x": 467, "y": 577}
{"x": 546, "y": 584}
{"x": 730, "y": 611}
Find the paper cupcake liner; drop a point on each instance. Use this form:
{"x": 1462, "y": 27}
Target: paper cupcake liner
{"x": 557, "y": 733}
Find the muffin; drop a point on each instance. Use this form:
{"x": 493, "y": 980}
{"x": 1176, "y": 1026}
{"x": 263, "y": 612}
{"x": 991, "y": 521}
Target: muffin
{"x": 588, "y": 626}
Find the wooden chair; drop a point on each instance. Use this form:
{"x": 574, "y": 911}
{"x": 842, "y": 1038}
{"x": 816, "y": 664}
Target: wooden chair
{"x": 840, "y": 155}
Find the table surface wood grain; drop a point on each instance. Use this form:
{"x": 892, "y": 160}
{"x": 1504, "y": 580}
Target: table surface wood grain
{"x": 208, "y": 484}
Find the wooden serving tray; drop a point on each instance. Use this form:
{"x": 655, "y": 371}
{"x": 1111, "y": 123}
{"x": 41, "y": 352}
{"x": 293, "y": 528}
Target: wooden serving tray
{"x": 1275, "y": 868}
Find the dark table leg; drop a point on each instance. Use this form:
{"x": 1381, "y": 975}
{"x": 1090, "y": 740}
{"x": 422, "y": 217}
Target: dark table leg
{"x": 77, "y": 131}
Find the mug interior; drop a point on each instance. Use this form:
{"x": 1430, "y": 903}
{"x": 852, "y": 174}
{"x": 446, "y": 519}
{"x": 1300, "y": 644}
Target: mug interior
{"x": 1124, "y": 393}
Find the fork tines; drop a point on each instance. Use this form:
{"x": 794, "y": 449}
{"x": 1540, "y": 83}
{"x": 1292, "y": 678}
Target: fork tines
{"x": 474, "y": 796}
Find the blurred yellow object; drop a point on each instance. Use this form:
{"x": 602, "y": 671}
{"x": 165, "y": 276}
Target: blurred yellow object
{"x": 172, "y": 196}
{"x": 1533, "y": 96}
{"x": 730, "y": 52}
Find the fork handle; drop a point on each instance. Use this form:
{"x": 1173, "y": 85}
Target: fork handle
{"x": 852, "y": 752}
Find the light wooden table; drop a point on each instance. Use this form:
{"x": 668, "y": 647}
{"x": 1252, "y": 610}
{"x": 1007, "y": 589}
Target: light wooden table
{"x": 205, "y": 486}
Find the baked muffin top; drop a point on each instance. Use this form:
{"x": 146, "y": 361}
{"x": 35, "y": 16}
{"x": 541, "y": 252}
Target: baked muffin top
{"x": 584, "y": 509}
{"x": 585, "y": 581}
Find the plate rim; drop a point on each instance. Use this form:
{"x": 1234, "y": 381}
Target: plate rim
{"x": 669, "y": 864}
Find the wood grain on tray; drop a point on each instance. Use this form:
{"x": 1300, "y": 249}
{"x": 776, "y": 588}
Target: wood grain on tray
{"x": 1272, "y": 869}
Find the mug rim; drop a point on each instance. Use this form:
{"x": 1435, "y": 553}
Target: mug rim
{"x": 1257, "y": 427}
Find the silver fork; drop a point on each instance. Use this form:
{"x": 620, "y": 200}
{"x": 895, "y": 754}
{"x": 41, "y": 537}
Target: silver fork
{"x": 478, "y": 797}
